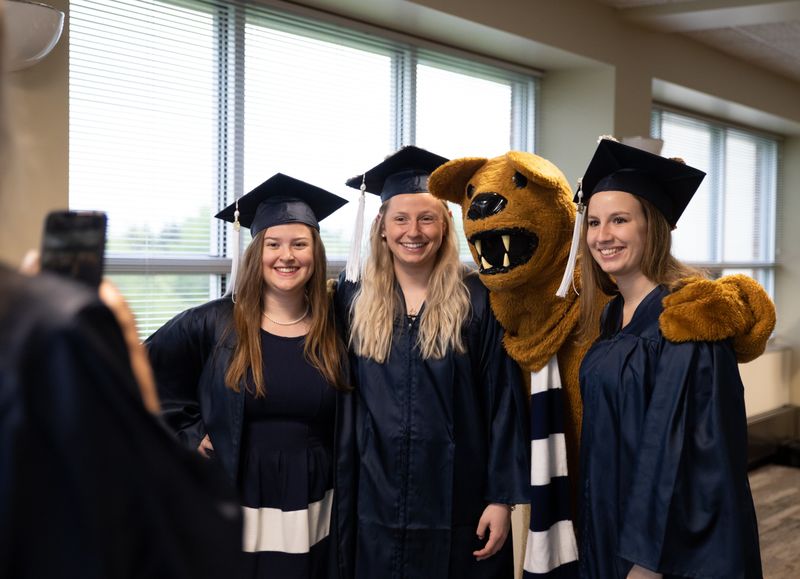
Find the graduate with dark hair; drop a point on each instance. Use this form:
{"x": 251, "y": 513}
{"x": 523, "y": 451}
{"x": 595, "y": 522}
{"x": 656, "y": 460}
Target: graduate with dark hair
{"x": 663, "y": 481}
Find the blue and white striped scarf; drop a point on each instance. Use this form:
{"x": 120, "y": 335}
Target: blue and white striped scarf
{"x": 551, "y": 551}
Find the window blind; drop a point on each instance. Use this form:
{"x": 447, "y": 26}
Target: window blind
{"x": 729, "y": 226}
{"x": 178, "y": 107}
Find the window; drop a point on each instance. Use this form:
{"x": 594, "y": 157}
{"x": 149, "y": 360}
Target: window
{"x": 177, "y": 107}
{"x": 729, "y": 226}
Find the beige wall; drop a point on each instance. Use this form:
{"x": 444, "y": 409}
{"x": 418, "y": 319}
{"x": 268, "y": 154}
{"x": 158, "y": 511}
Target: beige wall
{"x": 571, "y": 117}
{"x": 600, "y": 76}
{"x": 767, "y": 381}
{"x": 788, "y": 275}
{"x": 591, "y": 30}
{"x": 37, "y": 180}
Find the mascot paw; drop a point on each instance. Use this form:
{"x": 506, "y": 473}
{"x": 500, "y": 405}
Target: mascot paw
{"x": 734, "y": 306}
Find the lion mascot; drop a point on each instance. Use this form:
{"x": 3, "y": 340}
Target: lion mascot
{"x": 519, "y": 216}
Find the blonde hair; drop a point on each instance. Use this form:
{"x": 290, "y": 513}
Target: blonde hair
{"x": 377, "y": 303}
{"x": 658, "y": 265}
{"x": 323, "y": 348}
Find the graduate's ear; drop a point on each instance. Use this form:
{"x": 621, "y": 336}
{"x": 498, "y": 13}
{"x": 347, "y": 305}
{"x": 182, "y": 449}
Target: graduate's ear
{"x": 449, "y": 181}
{"x": 734, "y": 306}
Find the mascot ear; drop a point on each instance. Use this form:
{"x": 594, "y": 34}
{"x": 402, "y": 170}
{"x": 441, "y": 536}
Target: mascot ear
{"x": 449, "y": 181}
{"x": 539, "y": 170}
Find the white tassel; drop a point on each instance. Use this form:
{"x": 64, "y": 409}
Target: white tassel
{"x": 353, "y": 269}
{"x": 234, "y": 253}
{"x": 566, "y": 281}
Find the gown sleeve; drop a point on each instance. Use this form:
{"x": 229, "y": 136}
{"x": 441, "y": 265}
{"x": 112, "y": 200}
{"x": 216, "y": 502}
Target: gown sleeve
{"x": 346, "y": 460}
{"x": 343, "y": 294}
{"x": 689, "y": 510}
{"x": 178, "y": 354}
{"x": 508, "y": 470}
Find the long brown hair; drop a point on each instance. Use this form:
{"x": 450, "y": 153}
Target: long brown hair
{"x": 377, "y": 303}
{"x": 323, "y": 348}
{"x": 658, "y": 265}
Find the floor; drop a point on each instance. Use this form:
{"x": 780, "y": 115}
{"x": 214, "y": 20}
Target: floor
{"x": 776, "y": 493}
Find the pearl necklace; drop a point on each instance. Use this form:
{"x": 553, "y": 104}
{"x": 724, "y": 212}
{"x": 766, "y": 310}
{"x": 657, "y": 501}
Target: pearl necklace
{"x": 293, "y": 322}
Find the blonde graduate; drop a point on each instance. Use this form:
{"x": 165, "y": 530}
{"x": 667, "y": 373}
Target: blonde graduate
{"x": 376, "y": 304}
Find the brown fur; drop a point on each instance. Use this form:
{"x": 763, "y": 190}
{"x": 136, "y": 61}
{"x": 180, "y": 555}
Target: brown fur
{"x": 538, "y": 324}
{"x": 735, "y": 307}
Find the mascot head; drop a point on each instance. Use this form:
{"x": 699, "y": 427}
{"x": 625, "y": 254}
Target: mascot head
{"x": 518, "y": 216}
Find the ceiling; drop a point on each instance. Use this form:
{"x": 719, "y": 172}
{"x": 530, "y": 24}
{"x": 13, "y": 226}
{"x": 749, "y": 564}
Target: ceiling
{"x": 762, "y": 32}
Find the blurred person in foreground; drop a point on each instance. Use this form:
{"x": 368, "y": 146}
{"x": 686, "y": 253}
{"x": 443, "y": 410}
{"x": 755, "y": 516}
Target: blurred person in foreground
{"x": 91, "y": 484}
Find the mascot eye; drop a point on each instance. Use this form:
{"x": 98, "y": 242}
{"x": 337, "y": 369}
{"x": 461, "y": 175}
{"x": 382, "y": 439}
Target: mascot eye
{"x": 520, "y": 180}
{"x": 470, "y": 191}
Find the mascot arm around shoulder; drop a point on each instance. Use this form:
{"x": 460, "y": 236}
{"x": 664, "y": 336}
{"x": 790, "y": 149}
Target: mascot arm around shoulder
{"x": 518, "y": 215}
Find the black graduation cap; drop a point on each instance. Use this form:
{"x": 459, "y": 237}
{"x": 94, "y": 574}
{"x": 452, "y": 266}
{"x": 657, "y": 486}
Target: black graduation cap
{"x": 406, "y": 171}
{"x": 666, "y": 183}
{"x": 282, "y": 199}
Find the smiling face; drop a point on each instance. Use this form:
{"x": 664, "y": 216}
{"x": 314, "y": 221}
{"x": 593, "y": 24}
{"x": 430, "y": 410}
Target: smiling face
{"x": 616, "y": 233}
{"x": 414, "y": 227}
{"x": 287, "y": 258}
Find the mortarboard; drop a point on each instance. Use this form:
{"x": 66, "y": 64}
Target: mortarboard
{"x": 403, "y": 172}
{"x": 406, "y": 171}
{"x": 666, "y": 183}
{"x": 282, "y": 199}
{"x": 278, "y": 200}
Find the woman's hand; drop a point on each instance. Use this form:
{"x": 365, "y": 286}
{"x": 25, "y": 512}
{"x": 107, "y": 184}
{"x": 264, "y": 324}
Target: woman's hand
{"x": 205, "y": 447}
{"x": 497, "y": 519}
{"x": 641, "y": 573}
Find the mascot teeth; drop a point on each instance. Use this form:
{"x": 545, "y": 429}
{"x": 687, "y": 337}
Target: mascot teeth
{"x": 509, "y": 247}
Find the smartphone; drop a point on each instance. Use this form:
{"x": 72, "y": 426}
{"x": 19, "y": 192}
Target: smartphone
{"x": 73, "y": 245}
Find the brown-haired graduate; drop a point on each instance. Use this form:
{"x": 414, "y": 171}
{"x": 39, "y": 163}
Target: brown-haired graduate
{"x": 440, "y": 423}
{"x": 252, "y": 381}
{"x": 663, "y": 479}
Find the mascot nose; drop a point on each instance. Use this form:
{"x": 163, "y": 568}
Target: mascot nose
{"x": 485, "y": 205}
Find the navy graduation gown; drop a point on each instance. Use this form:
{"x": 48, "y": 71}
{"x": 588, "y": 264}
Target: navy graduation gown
{"x": 437, "y": 441}
{"x": 190, "y": 355}
{"x": 663, "y": 454}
